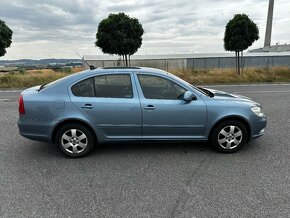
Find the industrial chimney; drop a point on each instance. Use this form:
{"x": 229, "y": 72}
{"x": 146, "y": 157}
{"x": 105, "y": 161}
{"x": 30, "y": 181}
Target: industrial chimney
{"x": 269, "y": 24}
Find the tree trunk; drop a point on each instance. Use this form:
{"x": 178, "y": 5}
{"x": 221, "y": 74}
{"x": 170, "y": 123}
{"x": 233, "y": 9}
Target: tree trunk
{"x": 242, "y": 61}
{"x": 236, "y": 55}
{"x": 123, "y": 60}
{"x": 239, "y": 63}
{"x": 129, "y": 60}
{"x": 126, "y": 60}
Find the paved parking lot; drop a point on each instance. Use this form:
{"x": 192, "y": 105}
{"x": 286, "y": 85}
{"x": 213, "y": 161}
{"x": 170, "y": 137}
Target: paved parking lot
{"x": 150, "y": 180}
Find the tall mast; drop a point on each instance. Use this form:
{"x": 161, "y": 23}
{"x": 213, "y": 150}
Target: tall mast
{"x": 269, "y": 24}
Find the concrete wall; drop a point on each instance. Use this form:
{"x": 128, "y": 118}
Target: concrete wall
{"x": 199, "y": 63}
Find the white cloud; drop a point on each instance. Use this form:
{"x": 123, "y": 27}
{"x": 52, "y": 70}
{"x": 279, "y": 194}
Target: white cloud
{"x": 46, "y": 29}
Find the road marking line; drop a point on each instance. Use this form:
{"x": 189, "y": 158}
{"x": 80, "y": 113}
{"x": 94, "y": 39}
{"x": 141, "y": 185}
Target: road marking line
{"x": 286, "y": 91}
{"x": 274, "y": 84}
{"x": 11, "y": 90}
{"x": 5, "y": 99}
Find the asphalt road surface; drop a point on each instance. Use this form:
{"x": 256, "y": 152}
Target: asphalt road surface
{"x": 150, "y": 180}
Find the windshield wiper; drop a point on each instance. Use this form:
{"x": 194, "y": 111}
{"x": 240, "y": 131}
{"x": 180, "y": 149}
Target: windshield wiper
{"x": 42, "y": 86}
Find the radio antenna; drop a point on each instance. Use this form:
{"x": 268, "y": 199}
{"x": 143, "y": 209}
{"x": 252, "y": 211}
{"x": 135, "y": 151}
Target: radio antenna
{"x": 92, "y": 67}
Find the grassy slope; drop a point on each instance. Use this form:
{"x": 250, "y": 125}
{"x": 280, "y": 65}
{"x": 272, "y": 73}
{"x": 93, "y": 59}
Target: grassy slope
{"x": 228, "y": 76}
{"x": 200, "y": 77}
{"x": 32, "y": 77}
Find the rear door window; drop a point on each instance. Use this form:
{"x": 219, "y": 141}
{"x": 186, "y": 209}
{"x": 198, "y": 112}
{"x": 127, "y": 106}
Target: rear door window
{"x": 113, "y": 86}
{"x": 105, "y": 86}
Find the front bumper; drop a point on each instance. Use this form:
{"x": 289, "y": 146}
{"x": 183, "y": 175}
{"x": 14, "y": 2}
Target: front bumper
{"x": 258, "y": 127}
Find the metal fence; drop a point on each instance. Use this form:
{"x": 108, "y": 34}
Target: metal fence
{"x": 199, "y": 63}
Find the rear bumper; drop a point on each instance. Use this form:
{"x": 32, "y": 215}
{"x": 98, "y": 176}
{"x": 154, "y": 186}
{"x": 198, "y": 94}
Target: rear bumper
{"x": 34, "y": 130}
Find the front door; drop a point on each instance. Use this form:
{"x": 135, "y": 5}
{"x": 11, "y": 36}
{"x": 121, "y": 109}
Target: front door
{"x": 165, "y": 114}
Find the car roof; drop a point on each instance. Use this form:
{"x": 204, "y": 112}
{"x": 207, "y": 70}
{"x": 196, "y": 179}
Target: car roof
{"x": 121, "y": 69}
{"x": 135, "y": 69}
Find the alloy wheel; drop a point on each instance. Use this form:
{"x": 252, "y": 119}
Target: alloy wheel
{"x": 74, "y": 141}
{"x": 230, "y": 137}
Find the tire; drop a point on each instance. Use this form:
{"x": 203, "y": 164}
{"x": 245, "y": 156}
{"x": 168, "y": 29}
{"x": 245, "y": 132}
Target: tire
{"x": 75, "y": 140}
{"x": 229, "y": 136}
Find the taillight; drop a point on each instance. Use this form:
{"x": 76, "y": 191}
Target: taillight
{"x": 21, "y": 108}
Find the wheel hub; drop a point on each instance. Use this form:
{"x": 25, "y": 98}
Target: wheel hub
{"x": 230, "y": 137}
{"x": 74, "y": 141}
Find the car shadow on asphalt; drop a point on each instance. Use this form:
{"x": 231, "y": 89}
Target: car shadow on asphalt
{"x": 149, "y": 147}
{"x": 121, "y": 148}
{"x": 48, "y": 150}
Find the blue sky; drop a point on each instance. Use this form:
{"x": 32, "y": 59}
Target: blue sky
{"x": 58, "y": 29}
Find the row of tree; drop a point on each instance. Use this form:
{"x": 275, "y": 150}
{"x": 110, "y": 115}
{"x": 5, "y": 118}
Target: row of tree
{"x": 121, "y": 35}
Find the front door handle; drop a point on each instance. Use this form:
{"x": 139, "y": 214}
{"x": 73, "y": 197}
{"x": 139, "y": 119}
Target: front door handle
{"x": 87, "y": 106}
{"x": 149, "y": 107}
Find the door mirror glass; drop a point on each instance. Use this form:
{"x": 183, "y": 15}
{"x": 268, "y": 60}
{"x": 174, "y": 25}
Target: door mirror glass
{"x": 188, "y": 96}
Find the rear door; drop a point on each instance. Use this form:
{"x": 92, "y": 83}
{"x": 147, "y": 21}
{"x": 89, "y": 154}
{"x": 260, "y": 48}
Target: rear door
{"x": 165, "y": 114}
{"x": 111, "y": 103}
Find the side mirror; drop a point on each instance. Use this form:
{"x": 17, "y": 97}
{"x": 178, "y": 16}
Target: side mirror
{"x": 188, "y": 96}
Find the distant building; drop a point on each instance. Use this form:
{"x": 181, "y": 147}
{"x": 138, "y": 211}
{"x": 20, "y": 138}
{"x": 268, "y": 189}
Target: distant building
{"x": 272, "y": 48}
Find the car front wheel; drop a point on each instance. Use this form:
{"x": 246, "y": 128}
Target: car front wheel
{"x": 75, "y": 140}
{"x": 229, "y": 136}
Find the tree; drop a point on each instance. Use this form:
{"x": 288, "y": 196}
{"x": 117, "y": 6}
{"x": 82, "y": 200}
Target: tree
{"x": 240, "y": 33}
{"x": 5, "y": 38}
{"x": 119, "y": 34}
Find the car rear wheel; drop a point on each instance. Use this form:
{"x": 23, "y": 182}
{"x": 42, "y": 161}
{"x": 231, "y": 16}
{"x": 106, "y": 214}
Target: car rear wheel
{"x": 75, "y": 140}
{"x": 229, "y": 136}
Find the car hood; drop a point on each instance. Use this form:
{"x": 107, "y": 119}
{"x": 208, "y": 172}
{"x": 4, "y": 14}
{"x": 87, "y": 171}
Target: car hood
{"x": 226, "y": 96}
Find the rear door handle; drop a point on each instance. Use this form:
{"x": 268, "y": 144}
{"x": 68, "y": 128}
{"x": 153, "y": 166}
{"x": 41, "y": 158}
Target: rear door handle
{"x": 149, "y": 107}
{"x": 87, "y": 106}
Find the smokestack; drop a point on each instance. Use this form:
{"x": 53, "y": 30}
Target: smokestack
{"x": 269, "y": 24}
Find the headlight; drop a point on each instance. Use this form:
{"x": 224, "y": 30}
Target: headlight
{"x": 258, "y": 111}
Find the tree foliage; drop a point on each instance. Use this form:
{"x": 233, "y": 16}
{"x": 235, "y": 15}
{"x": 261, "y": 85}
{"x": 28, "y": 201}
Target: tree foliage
{"x": 119, "y": 34}
{"x": 5, "y": 37}
{"x": 241, "y": 32}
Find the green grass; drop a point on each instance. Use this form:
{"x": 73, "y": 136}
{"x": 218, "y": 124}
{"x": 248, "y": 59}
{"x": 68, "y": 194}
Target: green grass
{"x": 199, "y": 77}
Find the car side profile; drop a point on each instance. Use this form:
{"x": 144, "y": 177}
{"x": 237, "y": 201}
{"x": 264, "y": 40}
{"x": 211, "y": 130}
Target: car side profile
{"x": 135, "y": 104}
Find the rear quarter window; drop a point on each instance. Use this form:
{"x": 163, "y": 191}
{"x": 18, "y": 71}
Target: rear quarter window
{"x": 84, "y": 88}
